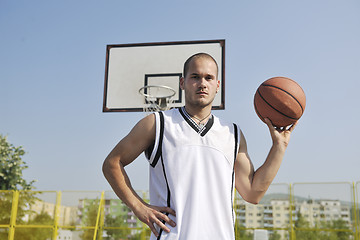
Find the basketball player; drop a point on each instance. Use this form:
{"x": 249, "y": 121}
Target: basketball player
{"x": 196, "y": 160}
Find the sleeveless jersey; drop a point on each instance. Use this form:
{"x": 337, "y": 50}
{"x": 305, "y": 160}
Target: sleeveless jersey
{"x": 192, "y": 172}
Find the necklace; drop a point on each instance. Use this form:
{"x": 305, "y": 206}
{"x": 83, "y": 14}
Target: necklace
{"x": 200, "y": 120}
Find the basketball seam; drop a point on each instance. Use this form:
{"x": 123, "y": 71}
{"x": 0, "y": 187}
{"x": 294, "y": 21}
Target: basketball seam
{"x": 268, "y": 85}
{"x": 274, "y": 107}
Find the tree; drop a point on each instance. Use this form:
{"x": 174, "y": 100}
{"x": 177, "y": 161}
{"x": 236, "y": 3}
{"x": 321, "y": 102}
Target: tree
{"x": 341, "y": 224}
{"x": 316, "y": 232}
{"x": 336, "y": 225}
{"x": 275, "y": 236}
{"x": 143, "y": 234}
{"x": 300, "y": 225}
{"x": 11, "y": 178}
{"x": 118, "y": 221}
{"x": 242, "y": 233}
{"x": 89, "y": 216}
{"x": 36, "y": 233}
{"x": 11, "y": 167}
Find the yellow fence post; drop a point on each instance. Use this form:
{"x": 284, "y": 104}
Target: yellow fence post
{"x": 14, "y": 208}
{"x": 56, "y": 215}
{"x": 143, "y": 225}
{"x": 102, "y": 219}
{"x": 143, "y": 231}
{"x": 355, "y": 214}
{"x": 99, "y": 227}
{"x": 292, "y": 231}
{"x": 98, "y": 216}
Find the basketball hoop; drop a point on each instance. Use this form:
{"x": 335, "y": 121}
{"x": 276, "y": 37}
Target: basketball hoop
{"x": 157, "y": 97}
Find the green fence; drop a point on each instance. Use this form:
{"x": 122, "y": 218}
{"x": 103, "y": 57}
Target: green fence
{"x": 287, "y": 211}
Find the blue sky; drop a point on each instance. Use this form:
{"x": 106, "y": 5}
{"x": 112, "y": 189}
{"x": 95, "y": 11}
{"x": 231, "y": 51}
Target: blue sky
{"x": 52, "y": 64}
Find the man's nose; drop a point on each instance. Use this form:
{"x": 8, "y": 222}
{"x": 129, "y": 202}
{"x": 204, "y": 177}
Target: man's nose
{"x": 202, "y": 82}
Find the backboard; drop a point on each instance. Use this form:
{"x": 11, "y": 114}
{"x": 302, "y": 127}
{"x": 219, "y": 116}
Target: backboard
{"x": 130, "y": 67}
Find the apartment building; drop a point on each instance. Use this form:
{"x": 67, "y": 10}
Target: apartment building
{"x": 67, "y": 215}
{"x": 276, "y": 213}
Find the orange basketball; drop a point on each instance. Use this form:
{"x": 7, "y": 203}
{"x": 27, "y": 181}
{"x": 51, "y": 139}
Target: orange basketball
{"x": 280, "y": 99}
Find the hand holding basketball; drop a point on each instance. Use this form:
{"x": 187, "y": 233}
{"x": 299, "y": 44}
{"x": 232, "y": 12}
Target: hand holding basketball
{"x": 280, "y": 135}
{"x": 281, "y": 100}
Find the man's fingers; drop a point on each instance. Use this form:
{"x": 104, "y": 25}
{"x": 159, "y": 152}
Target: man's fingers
{"x": 154, "y": 220}
{"x": 162, "y": 213}
{"x": 268, "y": 122}
{"x": 160, "y": 218}
{"x": 167, "y": 210}
{"x": 157, "y": 217}
{"x": 291, "y": 128}
{"x": 152, "y": 228}
{"x": 161, "y": 225}
{"x": 280, "y": 129}
{"x": 166, "y": 218}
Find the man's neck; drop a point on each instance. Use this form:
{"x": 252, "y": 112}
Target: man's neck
{"x": 200, "y": 114}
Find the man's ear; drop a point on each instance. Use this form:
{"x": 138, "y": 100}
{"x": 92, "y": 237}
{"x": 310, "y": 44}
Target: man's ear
{"x": 218, "y": 86}
{"x": 182, "y": 83}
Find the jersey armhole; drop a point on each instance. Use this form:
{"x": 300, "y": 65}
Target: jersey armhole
{"x": 237, "y": 140}
{"x": 154, "y": 151}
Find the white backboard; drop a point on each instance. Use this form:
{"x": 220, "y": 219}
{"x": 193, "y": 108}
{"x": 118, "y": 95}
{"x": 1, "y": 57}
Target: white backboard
{"x": 132, "y": 66}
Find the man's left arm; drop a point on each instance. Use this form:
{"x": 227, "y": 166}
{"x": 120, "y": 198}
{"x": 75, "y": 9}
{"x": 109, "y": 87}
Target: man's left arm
{"x": 252, "y": 185}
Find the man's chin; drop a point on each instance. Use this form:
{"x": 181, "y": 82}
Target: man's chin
{"x": 203, "y": 103}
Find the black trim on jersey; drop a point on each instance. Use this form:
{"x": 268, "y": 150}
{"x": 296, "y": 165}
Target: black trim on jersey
{"x": 159, "y": 149}
{"x": 207, "y": 127}
{"x": 233, "y": 173}
{"x": 149, "y": 150}
{"x": 202, "y": 131}
{"x": 167, "y": 183}
{"x": 236, "y": 140}
{"x": 168, "y": 193}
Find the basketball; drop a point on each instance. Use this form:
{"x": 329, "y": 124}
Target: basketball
{"x": 280, "y": 99}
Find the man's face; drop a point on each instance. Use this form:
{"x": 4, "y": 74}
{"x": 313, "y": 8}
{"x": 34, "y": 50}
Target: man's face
{"x": 200, "y": 83}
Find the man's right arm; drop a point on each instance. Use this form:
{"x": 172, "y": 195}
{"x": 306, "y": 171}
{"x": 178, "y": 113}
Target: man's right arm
{"x": 124, "y": 153}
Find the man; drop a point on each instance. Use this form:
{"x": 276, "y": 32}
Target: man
{"x": 195, "y": 161}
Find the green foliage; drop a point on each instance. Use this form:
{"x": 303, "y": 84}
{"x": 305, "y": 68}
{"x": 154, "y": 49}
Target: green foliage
{"x": 5, "y": 209}
{"x": 141, "y": 235}
{"x": 117, "y": 221}
{"x": 26, "y": 199}
{"x": 36, "y": 233}
{"x": 275, "y": 236}
{"x": 11, "y": 167}
{"x": 11, "y": 178}
{"x": 302, "y": 223}
{"x": 89, "y": 216}
{"x": 243, "y": 234}
{"x": 314, "y": 232}
{"x": 335, "y": 225}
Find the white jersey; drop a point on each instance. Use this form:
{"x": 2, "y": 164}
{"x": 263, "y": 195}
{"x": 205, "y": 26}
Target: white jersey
{"x": 192, "y": 172}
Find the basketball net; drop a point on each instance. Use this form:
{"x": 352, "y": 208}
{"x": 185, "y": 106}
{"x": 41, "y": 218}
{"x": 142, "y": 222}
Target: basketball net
{"x": 157, "y": 98}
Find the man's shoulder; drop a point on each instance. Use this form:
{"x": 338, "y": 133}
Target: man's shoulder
{"x": 170, "y": 112}
{"x": 223, "y": 122}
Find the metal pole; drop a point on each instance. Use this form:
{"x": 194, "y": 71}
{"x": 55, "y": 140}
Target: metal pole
{"x": 56, "y": 215}
{"x": 14, "y": 208}
{"x": 356, "y": 220}
{"x": 98, "y": 216}
{"x": 292, "y": 231}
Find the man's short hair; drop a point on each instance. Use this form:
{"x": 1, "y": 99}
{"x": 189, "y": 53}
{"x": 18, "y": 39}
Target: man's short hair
{"x": 196, "y": 56}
